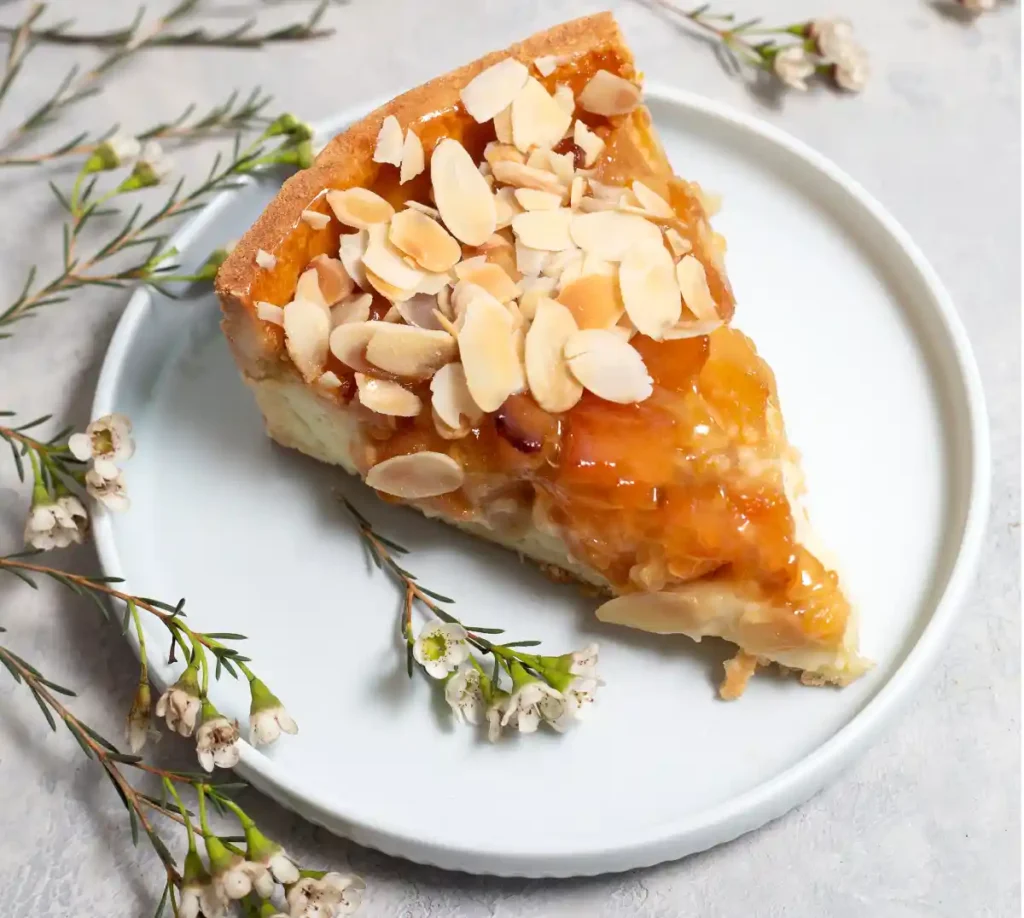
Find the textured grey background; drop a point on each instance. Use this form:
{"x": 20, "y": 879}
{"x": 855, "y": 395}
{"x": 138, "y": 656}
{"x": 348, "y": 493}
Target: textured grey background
{"x": 925, "y": 823}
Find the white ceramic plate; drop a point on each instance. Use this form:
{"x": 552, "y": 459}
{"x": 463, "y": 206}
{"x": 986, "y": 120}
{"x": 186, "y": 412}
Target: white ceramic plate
{"x": 881, "y": 394}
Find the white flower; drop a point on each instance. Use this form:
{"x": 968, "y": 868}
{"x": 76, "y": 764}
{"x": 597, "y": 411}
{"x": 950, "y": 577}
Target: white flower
{"x": 56, "y": 524}
{"x": 979, "y": 6}
{"x": 584, "y": 662}
{"x": 333, "y": 894}
{"x": 217, "y": 743}
{"x": 213, "y": 900}
{"x": 105, "y": 483}
{"x": 117, "y": 150}
{"x": 156, "y": 164}
{"x": 494, "y": 715}
{"x": 282, "y": 867}
{"x": 243, "y": 876}
{"x": 831, "y": 36}
{"x": 265, "y": 726}
{"x": 464, "y": 695}
{"x": 793, "y": 66}
{"x": 524, "y": 706}
{"x": 573, "y": 704}
{"x": 180, "y": 705}
{"x": 190, "y": 904}
{"x": 108, "y": 437}
{"x": 440, "y": 648}
{"x": 851, "y": 70}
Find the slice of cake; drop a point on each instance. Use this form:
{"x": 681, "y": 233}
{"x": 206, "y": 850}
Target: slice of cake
{"x": 493, "y": 301}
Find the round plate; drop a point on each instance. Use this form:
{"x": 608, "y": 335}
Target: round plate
{"x": 881, "y": 394}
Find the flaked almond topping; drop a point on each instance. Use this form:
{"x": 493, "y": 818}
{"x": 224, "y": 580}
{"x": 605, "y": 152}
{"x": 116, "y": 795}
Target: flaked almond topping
{"x": 546, "y": 64}
{"x": 693, "y": 284}
{"x": 389, "y": 142}
{"x": 505, "y": 207}
{"x": 333, "y": 279}
{"x": 496, "y": 152}
{"x": 354, "y": 308}
{"x": 563, "y": 165}
{"x": 589, "y": 142}
{"x": 609, "y": 234}
{"x": 265, "y": 260}
{"x": 553, "y": 387}
{"x": 532, "y": 199}
{"x": 651, "y": 201}
{"x": 387, "y": 397}
{"x": 316, "y": 219}
{"x": 450, "y": 397}
{"x": 489, "y": 354}
{"x": 416, "y": 476}
{"x": 593, "y": 300}
{"x": 393, "y": 315}
{"x": 608, "y": 366}
{"x": 519, "y": 346}
{"x": 503, "y": 125}
{"x": 386, "y": 261}
{"x": 359, "y": 207}
{"x": 649, "y": 289}
{"x": 308, "y": 288}
{"x": 413, "y": 162}
{"x": 678, "y": 243}
{"x": 565, "y": 99}
{"x": 448, "y": 433}
{"x": 351, "y": 249}
{"x": 445, "y": 322}
{"x": 539, "y": 158}
{"x": 269, "y": 312}
{"x": 625, "y": 332}
{"x": 306, "y": 330}
{"x": 592, "y": 205}
{"x": 530, "y": 261}
{"x": 537, "y": 119}
{"x": 444, "y": 301}
{"x": 493, "y": 89}
{"x": 329, "y": 380}
{"x": 424, "y": 209}
{"x": 592, "y": 264}
{"x": 420, "y": 311}
{"x": 534, "y": 289}
{"x": 424, "y": 240}
{"x": 606, "y": 192}
{"x": 692, "y": 329}
{"x": 461, "y": 193}
{"x": 490, "y": 277}
{"x": 576, "y": 191}
{"x": 405, "y": 350}
{"x": 348, "y": 343}
{"x": 389, "y": 291}
{"x": 609, "y": 94}
{"x": 434, "y": 282}
{"x": 559, "y": 261}
{"x": 572, "y": 271}
{"x": 485, "y": 170}
{"x": 520, "y": 176}
{"x": 544, "y": 229}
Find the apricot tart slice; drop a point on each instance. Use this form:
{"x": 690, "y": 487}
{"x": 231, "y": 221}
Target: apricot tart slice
{"x": 493, "y": 301}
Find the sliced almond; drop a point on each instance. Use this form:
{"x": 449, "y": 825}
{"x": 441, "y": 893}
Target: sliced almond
{"x": 450, "y": 397}
{"x": 420, "y": 311}
{"x": 389, "y": 291}
{"x": 576, "y": 191}
{"x": 565, "y": 99}
{"x": 308, "y": 288}
{"x": 493, "y": 89}
{"x": 692, "y": 329}
{"x": 389, "y": 142}
{"x": 333, "y": 279}
{"x": 386, "y": 261}
{"x": 608, "y": 366}
{"x": 265, "y": 260}
{"x": 387, "y": 397}
{"x": 359, "y": 207}
{"x": 532, "y": 199}
{"x": 444, "y": 301}
{"x": 416, "y": 476}
{"x": 503, "y": 125}
{"x": 546, "y": 64}
{"x": 530, "y": 261}
{"x": 609, "y": 94}
{"x": 552, "y": 385}
{"x": 593, "y": 300}
{"x": 651, "y": 201}
{"x": 534, "y": 289}
{"x": 537, "y": 119}
{"x": 539, "y": 158}
{"x": 572, "y": 271}
{"x": 678, "y": 243}
{"x": 609, "y": 234}
{"x": 351, "y": 249}
{"x": 491, "y": 277}
{"x": 433, "y": 283}
{"x": 306, "y": 330}
{"x": 393, "y": 315}
{"x": 446, "y": 323}
{"x": 415, "y": 353}
{"x": 431, "y": 212}
{"x": 462, "y": 195}
{"x": 559, "y": 261}
{"x": 496, "y": 152}
{"x": 650, "y": 293}
{"x": 563, "y": 165}
{"x": 693, "y": 284}
{"x": 316, "y": 219}
{"x": 592, "y": 264}
{"x": 592, "y": 205}
{"x": 413, "y": 162}
{"x": 348, "y": 343}
{"x": 520, "y": 176}
{"x": 589, "y": 142}
{"x": 329, "y": 380}
{"x": 605, "y": 192}
{"x": 544, "y": 229}
{"x": 489, "y": 355}
{"x": 449, "y": 433}
{"x": 268, "y": 312}
{"x": 506, "y": 207}
{"x": 354, "y": 308}
{"x": 424, "y": 240}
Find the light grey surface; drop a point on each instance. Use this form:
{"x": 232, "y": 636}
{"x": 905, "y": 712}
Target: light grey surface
{"x": 926, "y": 823}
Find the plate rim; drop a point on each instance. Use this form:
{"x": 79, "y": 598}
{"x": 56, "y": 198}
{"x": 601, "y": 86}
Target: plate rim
{"x": 764, "y": 801}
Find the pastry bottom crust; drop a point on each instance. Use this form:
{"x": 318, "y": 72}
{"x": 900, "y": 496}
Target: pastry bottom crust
{"x": 298, "y": 417}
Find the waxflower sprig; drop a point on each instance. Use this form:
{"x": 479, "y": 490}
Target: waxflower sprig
{"x": 793, "y": 53}
{"x": 556, "y": 690}
{"x": 260, "y": 878}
